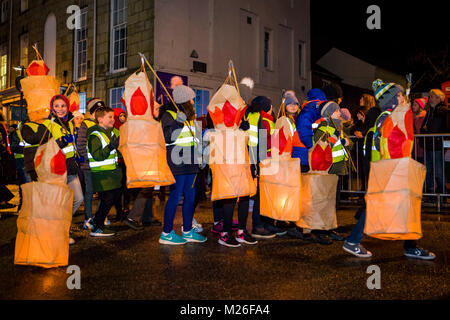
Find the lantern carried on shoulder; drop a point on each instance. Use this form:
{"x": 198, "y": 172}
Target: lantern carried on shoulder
{"x": 46, "y": 214}
{"x": 74, "y": 101}
{"x": 142, "y": 143}
{"x": 280, "y": 176}
{"x": 38, "y": 89}
{"x": 229, "y": 159}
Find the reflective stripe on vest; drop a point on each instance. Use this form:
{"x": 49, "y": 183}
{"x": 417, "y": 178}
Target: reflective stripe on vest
{"x": 33, "y": 126}
{"x": 185, "y": 138}
{"x": 109, "y": 163}
{"x": 375, "y": 155}
{"x": 253, "y": 119}
{"x": 338, "y": 150}
{"x": 58, "y": 132}
{"x": 21, "y": 143}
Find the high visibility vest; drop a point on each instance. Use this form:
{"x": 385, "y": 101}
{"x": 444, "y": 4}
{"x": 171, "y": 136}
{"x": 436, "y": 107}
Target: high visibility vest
{"x": 58, "y": 132}
{"x": 338, "y": 150}
{"x": 21, "y": 142}
{"x": 186, "y": 137}
{"x": 253, "y": 120}
{"x": 89, "y": 123}
{"x": 33, "y": 126}
{"x": 375, "y": 154}
{"x": 109, "y": 163}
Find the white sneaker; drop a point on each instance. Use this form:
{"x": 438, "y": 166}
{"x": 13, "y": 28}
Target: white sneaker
{"x": 107, "y": 222}
{"x": 87, "y": 224}
{"x": 197, "y": 227}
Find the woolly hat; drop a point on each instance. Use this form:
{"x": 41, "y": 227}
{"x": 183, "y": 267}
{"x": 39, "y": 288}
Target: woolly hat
{"x": 261, "y": 103}
{"x": 345, "y": 114}
{"x": 316, "y": 94}
{"x": 386, "y": 93}
{"x": 290, "y": 98}
{"x": 182, "y": 94}
{"x": 93, "y": 104}
{"x": 422, "y": 102}
{"x": 328, "y": 108}
{"x": 333, "y": 91}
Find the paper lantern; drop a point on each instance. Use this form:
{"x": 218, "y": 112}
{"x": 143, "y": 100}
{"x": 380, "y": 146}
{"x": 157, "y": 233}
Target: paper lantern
{"x": 393, "y": 198}
{"x": 138, "y": 97}
{"x": 320, "y": 156}
{"x": 282, "y": 139}
{"x": 43, "y": 225}
{"x": 279, "y": 185}
{"x": 230, "y": 165}
{"x": 318, "y": 201}
{"x": 226, "y": 108}
{"x": 39, "y": 89}
{"x": 143, "y": 148}
{"x": 50, "y": 163}
{"x": 74, "y": 101}
{"x": 397, "y": 134}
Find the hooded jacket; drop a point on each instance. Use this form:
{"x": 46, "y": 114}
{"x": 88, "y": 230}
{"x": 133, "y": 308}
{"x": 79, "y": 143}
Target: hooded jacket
{"x": 303, "y": 125}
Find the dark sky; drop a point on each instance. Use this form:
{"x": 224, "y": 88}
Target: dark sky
{"x": 407, "y": 27}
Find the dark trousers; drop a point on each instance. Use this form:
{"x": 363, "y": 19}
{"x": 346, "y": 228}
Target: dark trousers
{"x": 142, "y": 210}
{"x": 107, "y": 199}
{"x": 228, "y": 210}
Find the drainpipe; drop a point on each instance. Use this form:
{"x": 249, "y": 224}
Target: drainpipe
{"x": 10, "y": 36}
{"x": 94, "y": 49}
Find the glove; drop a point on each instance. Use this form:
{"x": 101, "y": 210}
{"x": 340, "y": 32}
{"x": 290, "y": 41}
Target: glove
{"x": 244, "y": 125}
{"x": 114, "y": 143}
{"x": 80, "y": 158}
{"x": 181, "y": 117}
{"x": 67, "y": 139}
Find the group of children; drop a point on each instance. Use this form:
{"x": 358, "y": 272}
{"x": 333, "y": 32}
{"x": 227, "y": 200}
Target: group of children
{"x": 95, "y": 149}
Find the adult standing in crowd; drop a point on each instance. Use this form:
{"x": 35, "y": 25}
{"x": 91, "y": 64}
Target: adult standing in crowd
{"x": 5, "y": 158}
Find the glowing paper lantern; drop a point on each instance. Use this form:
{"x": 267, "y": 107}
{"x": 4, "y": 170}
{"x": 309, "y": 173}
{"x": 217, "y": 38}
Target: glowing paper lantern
{"x": 318, "y": 201}
{"x": 39, "y": 89}
{"x": 226, "y": 108}
{"x": 397, "y": 134}
{"x": 50, "y": 163}
{"x": 282, "y": 140}
{"x": 230, "y": 165}
{"x": 74, "y": 101}
{"x": 320, "y": 156}
{"x": 43, "y": 225}
{"x": 393, "y": 198}
{"x": 280, "y": 188}
{"x": 138, "y": 97}
{"x": 142, "y": 143}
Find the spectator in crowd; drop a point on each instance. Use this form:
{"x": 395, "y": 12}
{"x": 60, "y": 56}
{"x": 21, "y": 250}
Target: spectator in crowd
{"x": 419, "y": 113}
{"x": 435, "y": 122}
{"x": 5, "y": 156}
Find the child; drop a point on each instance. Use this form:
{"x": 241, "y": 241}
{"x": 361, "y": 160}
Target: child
{"x": 103, "y": 162}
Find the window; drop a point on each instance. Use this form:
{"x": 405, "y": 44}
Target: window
{"x": 268, "y": 49}
{"x": 118, "y": 35}
{"x": 82, "y": 102}
{"x": 23, "y": 5}
{"x": 301, "y": 60}
{"x": 80, "y": 54}
{"x": 24, "y": 50}
{"x": 201, "y": 102}
{"x": 115, "y": 94}
{"x": 3, "y": 71}
{"x": 4, "y": 14}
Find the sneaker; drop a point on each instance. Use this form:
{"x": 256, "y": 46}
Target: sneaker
{"x": 234, "y": 225}
{"x": 196, "y": 226}
{"x": 218, "y": 227}
{"x": 133, "y": 224}
{"x": 335, "y": 236}
{"x": 101, "y": 233}
{"x": 193, "y": 236}
{"x": 295, "y": 233}
{"x": 227, "y": 240}
{"x": 87, "y": 224}
{"x": 107, "y": 222}
{"x": 323, "y": 239}
{"x": 153, "y": 223}
{"x": 261, "y": 233}
{"x": 245, "y": 237}
{"x": 356, "y": 250}
{"x": 279, "y": 232}
{"x": 419, "y": 253}
{"x": 71, "y": 241}
{"x": 172, "y": 239}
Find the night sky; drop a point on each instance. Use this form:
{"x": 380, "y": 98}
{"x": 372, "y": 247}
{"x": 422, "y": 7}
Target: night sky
{"x": 410, "y": 32}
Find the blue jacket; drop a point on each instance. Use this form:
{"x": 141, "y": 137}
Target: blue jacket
{"x": 303, "y": 124}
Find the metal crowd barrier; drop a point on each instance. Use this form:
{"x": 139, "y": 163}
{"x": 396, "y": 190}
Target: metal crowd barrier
{"x": 433, "y": 150}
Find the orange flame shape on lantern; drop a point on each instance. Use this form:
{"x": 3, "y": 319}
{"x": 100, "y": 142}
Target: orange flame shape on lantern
{"x": 321, "y": 158}
{"x": 58, "y": 164}
{"x": 38, "y": 159}
{"x": 37, "y": 68}
{"x": 284, "y": 144}
{"x": 138, "y": 103}
{"x": 228, "y": 115}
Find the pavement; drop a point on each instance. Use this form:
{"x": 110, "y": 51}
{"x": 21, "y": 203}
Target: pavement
{"x": 133, "y": 265}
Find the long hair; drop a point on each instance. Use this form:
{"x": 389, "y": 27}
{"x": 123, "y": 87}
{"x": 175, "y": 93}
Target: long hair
{"x": 369, "y": 101}
{"x": 189, "y": 109}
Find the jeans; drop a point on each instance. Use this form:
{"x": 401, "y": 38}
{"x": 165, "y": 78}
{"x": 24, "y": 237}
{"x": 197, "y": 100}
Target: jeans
{"x": 88, "y": 194}
{"x": 434, "y": 172}
{"x": 357, "y": 231}
{"x": 107, "y": 199}
{"x": 184, "y": 186}
{"x": 73, "y": 182}
{"x": 142, "y": 210}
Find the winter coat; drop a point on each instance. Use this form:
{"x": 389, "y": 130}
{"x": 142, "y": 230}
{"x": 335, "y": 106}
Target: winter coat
{"x": 435, "y": 122}
{"x": 82, "y": 142}
{"x": 33, "y": 133}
